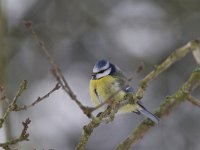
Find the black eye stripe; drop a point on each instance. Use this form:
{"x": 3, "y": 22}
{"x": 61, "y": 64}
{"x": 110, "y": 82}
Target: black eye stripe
{"x": 102, "y": 71}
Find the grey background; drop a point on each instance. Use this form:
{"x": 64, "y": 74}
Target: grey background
{"x": 77, "y": 33}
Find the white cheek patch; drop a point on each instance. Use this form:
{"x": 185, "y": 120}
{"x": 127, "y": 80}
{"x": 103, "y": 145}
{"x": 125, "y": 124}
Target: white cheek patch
{"x": 105, "y": 73}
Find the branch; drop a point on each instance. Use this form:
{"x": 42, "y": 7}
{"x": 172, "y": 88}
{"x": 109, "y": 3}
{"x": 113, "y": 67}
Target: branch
{"x": 39, "y": 99}
{"x": 57, "y": 72}
{"x": 196, "y": 55}
{"x": 171, "y": 59}
{"x": 194, "y": 101}
{"x": 2, "y": 93}
{"x": 88, "y": 129}
{"x": 23, "y": 136}
{"x": 13, "y": 104}
{"x": 192, "y": 46}
{"x": 169, "y": 104}
{"x": 110, "y": 98}
{"x": 175, "y": 56}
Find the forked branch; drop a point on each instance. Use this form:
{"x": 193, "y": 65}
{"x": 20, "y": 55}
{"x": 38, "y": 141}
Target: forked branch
{"x": 173, "y": 57}
{"x": 169, "y": 104}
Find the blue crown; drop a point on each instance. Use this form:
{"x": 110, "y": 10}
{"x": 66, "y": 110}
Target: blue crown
{"x": 101, "y": 63}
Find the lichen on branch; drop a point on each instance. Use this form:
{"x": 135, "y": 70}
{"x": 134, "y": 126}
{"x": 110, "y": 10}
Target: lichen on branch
{"x": 165, "y": 108}
{"x": 169, "y": 104}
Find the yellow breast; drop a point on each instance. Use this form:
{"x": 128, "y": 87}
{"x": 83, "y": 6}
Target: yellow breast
{"x": 105, "y": 88}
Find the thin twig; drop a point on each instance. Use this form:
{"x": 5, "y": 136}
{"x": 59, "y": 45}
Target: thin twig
{"x": 23, "y": 136}
{"x": 13, "y": 104}
{"x": 196, "y": 55}
{"x": 2, "y": 93}
{"x": 169, "y": 104}
{"x": 171, "y": 59}
{"x": 96, "y": 121}
{"x": 61, "y": 79}
{"x": 39, "y": 99}
{"x": 57, "y": 72}
{"x": 88, "y": 129}
{"x": 175, "y": 56}
{"x": 194, "y": 101}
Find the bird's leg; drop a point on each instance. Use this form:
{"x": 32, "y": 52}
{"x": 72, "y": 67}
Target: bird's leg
{"x": 99, "y": 114}
{"x": 129, "y": 98}
{"x": 112, "y": 110}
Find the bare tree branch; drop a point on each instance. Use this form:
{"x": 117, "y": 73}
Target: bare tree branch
{"x": 57, "y": 72}
{"x": 39, "y": 99}
{"x": 196, "y": 55}
{"x": 2, "y": 93}
{"x": 13, "y": 104}
{"x": 23, "y": 136}
{"x": 146, "y": 124}
{"x": 175, "y": 56}
{"x": 194, "y": 101}
{"x": 169, "y": 104}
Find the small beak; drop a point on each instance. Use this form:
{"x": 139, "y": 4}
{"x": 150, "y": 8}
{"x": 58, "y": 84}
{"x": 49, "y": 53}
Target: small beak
{"x": 93, "y": 75}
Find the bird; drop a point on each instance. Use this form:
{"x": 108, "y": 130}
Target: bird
{"x": 108, "y": 81}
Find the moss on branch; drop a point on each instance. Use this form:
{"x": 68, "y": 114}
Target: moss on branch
{"x": 165, "y": 108}
{"x": 169, "y": 104}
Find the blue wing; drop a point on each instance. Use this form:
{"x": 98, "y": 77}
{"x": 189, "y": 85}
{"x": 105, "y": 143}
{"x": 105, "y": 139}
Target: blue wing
{"x": 147, "y": 113}
{"x": 142, "y": 109}
{"x": 129, "y": 89}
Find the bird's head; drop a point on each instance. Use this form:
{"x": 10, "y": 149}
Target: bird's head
{"x": 103, "y": 68}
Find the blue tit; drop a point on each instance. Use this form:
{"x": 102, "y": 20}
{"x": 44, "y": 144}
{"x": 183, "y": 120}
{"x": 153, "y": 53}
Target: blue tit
{"x": 108, "y": 80}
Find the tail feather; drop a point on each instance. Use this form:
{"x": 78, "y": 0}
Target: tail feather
{"x": 148, "y": 114}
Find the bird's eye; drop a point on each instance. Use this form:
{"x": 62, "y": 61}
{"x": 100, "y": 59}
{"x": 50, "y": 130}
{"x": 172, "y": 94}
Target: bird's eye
{"x": 102, "y": 71}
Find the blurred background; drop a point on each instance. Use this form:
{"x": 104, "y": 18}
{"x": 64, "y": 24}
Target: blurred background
{"x": 78, "y": 33}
